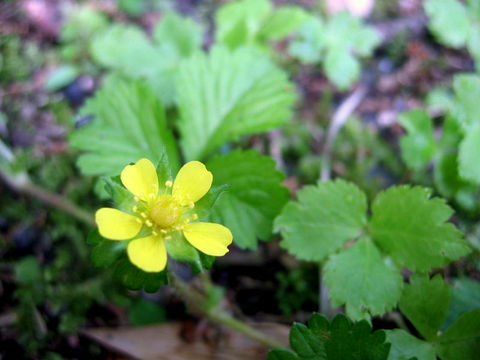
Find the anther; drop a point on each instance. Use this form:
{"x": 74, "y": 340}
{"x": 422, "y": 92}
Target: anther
{"x": 135, "y": 208}
{"x": 144, "y": 215}
{"x": 136, "y": 198}
{"x": 148, "y": 223}
{"x": 191, "y": 205}
{"x": 168, "y": 237}
{"x": 139, "y": 220}
{"x": 154, "y": 233}
{"x": 169, "y": 183}
{"x": 194, "y": 217}
{"x": 163, "y": 231}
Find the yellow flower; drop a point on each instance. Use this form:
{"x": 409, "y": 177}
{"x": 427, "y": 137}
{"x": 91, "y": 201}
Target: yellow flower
{"x": 163, "y": 212}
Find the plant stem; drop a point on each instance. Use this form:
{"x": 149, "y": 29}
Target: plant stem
{"x": 194, "y": 299}
{"x": 23, "y": 185}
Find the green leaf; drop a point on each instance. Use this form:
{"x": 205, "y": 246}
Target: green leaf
{"x": 467, "y": 91}
{"x": 225, "y": 95}
{"x": 406, "y": 346}
{"x": 144, "y": 312}
{"x": 411, "y": 227}
{"x": 469, "y": 155}
{"x": 281, "y": 354}
{"x": 107, "y": 252}
{"x": 129, "y": 123}
{"x": 179, "y": 249}
{"x": 253, "y": 198}
{"x": 425, "y": 303}
{"x": 61, "y": 77}
{"x": 127, "y": 49}
{"x": 283, "y": 22}
{"x": 342, "y": 68}
{"x": 359, "y": 278}
{"x": 310, "y": 42}
{"x": 418, "y": 147}
{"x": 324, "y": 218}
{"x": 461, "y": 341}
{"x": 239, "y": 21}
{"x": 448, "y": 21}
{"x": 306, "y": 344}
{"x": 465, "y": 297}
{"x": 178, "y": 35}
{"x": 135, "y": 279}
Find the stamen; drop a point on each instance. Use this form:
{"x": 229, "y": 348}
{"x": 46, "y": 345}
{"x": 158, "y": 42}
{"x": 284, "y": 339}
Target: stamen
{"x": 139, "y": 220}
{"x": 144, "y": 215}
{"x": 194, "y": 217}
{"x": 154, "y": 233}
{"x": 135, "y": 208}
{"x": 163, "y": 231}
{"x": 168, "y": 237}
{"x": 136, "y": 198}
{"x": 169, "y": 183}
{"x": 191, "y": 205}
{"x": 148, "y": 223}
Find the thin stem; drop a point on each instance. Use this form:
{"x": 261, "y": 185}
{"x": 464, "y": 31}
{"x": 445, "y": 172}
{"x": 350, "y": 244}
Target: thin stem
{"x": 23, "y": 185}
{"x": 195, "y": 299}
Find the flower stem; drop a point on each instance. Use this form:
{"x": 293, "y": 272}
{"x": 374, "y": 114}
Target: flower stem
{"x": 194, "y": 299}
{"x": 23, "y": 185}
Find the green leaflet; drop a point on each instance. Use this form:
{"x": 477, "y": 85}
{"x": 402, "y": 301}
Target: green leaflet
{"x": 129, "y": 123}
{"x": 227, "y": 94}
{"x": 253, "y": 197}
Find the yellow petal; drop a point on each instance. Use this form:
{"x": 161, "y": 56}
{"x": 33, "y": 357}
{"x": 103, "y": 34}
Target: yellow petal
{"x": 148, "y": 253}
{"x": 209, "y": 238}
{"x": 192, "y": 182}
{"x": 116, "y": 225}
{"x": 140, "y": 179}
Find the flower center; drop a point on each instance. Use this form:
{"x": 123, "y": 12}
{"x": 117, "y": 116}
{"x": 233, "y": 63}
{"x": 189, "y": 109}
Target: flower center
{"x": 165, "y": 211}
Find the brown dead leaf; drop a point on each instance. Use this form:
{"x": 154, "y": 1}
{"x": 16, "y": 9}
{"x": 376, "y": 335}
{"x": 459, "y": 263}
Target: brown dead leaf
{"x": 162, "y": 342}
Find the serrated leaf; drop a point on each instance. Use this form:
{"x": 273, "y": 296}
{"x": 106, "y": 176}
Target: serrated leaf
{"x": 418, "y": 146}
{"x": 306, "y": 344}
{"x": 253, "y": 198}
{"x": 135, "y": 279}
{"x": 324, "y": 218}
{"x": 129, "y": 123}
{"x": 406, "y": 346}
{"x": 448, "y": 21}
{"x": 342, "y": 68}
{"x": 411, "y": 227}
{"x": 461, "y": 341}
{"x": 469, "y": 155}
{"x": 362, "y": 280}
{"x": 228, "y": 94}
{"x": 425, "y": 303}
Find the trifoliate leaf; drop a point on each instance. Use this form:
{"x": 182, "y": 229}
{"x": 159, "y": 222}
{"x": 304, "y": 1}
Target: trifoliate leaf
{"x": 418, "y": 146}
{"x": 324, "y": 218}
{"x": 465, "y": 297}
{"x": 340, "y": 340}
{"x": 461, "y": 341}
{"x": 225, "y": 95}
{"x": 411, "y": 227}
{"x": 406, "y": 346}
{"x": 425, "y": 303}
{"x": 448, "y": 21}
{"x": 469, "y": 155}
{"x": 342, "y": 68}
{"x": 135, "y": 279}
{"x": 362, "y": 280}
{"x": 129, "y": 123}
{"x": 253, "y": 197}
